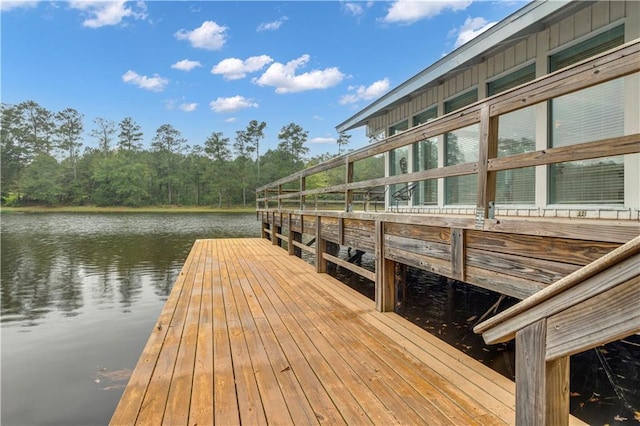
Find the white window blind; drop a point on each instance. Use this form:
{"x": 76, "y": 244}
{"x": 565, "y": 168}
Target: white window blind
{"x": 516, "y": 135}
{"x": 588, "y": 115}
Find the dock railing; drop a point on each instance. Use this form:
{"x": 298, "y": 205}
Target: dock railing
{"x": 595, "y": 305}
{"x": 292, "y": 192}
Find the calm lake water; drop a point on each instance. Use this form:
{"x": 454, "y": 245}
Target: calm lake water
{"x": 80, "y": 296}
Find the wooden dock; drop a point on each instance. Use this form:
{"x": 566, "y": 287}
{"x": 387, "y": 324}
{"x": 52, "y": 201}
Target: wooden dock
{"x": 252, "y": 335}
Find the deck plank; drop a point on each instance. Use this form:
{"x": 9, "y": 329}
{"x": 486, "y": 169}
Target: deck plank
{"x": 252, "y": 335}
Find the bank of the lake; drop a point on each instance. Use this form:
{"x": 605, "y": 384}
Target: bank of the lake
{"x": 122, "y": 209}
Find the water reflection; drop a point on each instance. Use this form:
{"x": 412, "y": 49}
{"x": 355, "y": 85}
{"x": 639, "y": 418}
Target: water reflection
{"x": 79, "y": 296}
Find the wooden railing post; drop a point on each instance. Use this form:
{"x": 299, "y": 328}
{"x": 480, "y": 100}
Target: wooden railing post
{"x": 348, "y": 195}
{"x": 542, "y": 388}
{"x": 385, "y": 274}
{"x": 303, "y": 187}
{"x": 321, "y": 248}
{"x": 488, "y": 149}
{"x": 279, "y": 199}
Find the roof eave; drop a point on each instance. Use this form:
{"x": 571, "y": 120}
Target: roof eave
{"x": 524, "y": 18}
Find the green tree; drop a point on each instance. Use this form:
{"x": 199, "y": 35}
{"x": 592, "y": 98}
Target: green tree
{"x": 121, "y": 180}
{"x": 104, "y": 133}
{"x": 41, "y": 180}
{"x": 130, "y": 136}
{"x": 69, "y": 133}
{"x": 342, "y": 141}
{"x": 168, "y": 145}
{"x": 14, "y": 153}
{"x": 254, "y": 133}
{"x": 217, "y": 148}
{"x": 292, "y": 139}
{"x": 38, "y": 128}
{"x": 242, "y": 149}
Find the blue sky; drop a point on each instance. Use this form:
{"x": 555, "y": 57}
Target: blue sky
{"x": 213, "y": 66}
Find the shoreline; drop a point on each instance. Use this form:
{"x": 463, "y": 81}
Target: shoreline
{"x": 147, "y": 209}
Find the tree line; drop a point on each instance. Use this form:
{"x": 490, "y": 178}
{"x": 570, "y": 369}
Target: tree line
{"x": 44, "y": 161}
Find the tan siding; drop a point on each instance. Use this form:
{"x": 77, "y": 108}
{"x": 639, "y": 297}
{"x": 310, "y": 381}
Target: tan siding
{"x": 521, "y": 52}
{"x": 554, "y": 36}
{"x": 509, "y": 58}
{"x": 566, "y": 30}
{"x": 617, "y": 10}
{"x": 583, "y": 22}
{"x": 600, "y": 14}
{"x": 532, "y": 46}
{"x": 467, "y": 79}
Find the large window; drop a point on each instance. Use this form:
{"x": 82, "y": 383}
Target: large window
{"x": 585, "y": 116}
{"x": 398, "y": 165}
{"x": 516, "y": 135}
{"x": 461, "y": 146}
{"x": 425, "y": 156}
{"x": 400, "y": 127}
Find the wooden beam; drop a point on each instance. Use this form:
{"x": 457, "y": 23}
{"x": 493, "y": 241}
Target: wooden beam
{"x": 321, "y": 248}
{"x": 290, "y": 236}
{"x": 348, "y": 194}
{"x": 304, "y": 247}
{"x": 625, "y": 255}
{"x": 621, "y": 145}
{"x": 384, "y": 278}
{"x": 607, "y": 317}
{"x": 557, "y": 392}
{"x": 530, "y": 375}
{"x": 488, "y": 150}
{"x": 303, "y": 187}
{"x": 458, "y": 254}
{"x": 350, "y": 266}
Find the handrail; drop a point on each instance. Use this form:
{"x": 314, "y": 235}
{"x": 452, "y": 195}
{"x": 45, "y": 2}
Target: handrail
{"x": 595, "y": 305}
{"x": 615, "y": 63}
{"x": 503, "y": 327}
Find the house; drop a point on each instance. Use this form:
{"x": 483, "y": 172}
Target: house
{"x": 539, "y": 39}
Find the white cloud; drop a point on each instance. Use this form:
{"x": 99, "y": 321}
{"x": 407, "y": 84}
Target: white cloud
{"x": 322, "y": 140}
{"x": 472, "y": 28}
{"x": 209, "y": 35}
{"x": 353, "y": 8}
{"x": 231, "y": 120}
{"x": 6, "y": 5}
{"x": 186, "y": 65}
{"x": 232, "y": 104}
{"x": 153, "y": 84}
{"x": 358, "y": 93}
{"x": 104, "y": 13}
{"x": 410, "y": 11}
{"x": 235, "y": 69}
{"x": 189, "y": 107}
{"x": 272, "y": 26}
{"x": 283, "y": 77}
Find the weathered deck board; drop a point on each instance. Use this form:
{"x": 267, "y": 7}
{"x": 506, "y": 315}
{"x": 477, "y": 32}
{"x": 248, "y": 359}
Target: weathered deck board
{"x": 251, "y": 335}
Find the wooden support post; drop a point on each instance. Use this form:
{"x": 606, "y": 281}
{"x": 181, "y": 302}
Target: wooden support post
{"x": 530, "y": 374}
{"x": 341, "y": 231}
{"x": 385, "y": 274}
{"x": 488, "y": 150}
{"x": 321, "y": 247}
{"x": 557, "y": 387}
{"x": 348, "y": 195}
{"x": 542, "y": 388}
{"x": 457, "y": 254}
{"x": 290, "y": 245}
{"x": 263, "y": 233}
{"x": 303, "y": 187}
{"x": 279, "y": 199}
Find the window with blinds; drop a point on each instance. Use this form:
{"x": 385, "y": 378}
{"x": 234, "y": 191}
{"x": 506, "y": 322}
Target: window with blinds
{"x": 398, "y": 165}
{"x": 585, "y": 116}
{"x": 461, "y": 146}
{"x": 512, "y": 80}
{"x": 516, "y": 135}
{"x": 425, "y": 156}
{"x": 400, "y": 127}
